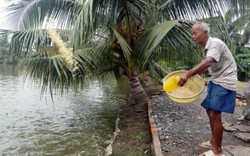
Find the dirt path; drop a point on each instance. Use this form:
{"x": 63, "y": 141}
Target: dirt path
{"x": 134, "y": 137}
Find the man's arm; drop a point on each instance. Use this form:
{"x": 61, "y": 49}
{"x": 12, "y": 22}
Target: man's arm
{"x": 200, "y": 68}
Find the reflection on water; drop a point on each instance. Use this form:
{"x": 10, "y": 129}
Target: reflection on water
{"x": 74, "y": 125}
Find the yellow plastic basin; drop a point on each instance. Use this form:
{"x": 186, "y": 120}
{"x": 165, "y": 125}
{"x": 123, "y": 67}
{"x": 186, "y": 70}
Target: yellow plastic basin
{"x": 185, "y": 94}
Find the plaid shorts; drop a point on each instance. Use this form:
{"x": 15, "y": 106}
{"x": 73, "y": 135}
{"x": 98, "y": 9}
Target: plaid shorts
{"x": 219, "y": 99}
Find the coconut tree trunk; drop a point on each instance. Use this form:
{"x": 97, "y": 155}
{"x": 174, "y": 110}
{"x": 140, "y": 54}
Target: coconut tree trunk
{"x": 138, "y": 94}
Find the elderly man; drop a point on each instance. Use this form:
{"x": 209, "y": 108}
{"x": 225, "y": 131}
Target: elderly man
{"x": 219, "y": 62}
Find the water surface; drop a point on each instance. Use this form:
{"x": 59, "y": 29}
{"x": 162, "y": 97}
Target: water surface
{"x": 77, "y": 124}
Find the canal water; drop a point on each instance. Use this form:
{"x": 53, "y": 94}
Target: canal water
{"x": 75, "y": 124}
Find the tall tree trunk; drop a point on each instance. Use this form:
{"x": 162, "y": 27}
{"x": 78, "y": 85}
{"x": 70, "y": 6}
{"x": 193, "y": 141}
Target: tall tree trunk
{"x": 138, "y": 94}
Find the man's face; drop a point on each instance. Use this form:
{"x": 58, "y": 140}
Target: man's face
{"x": 199, "y": 36}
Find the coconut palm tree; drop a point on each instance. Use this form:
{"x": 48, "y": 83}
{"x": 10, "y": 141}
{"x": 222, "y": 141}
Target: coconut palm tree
{"x": 127, "y": 37}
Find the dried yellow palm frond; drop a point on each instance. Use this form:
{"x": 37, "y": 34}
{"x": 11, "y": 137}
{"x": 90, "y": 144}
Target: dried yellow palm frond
{"x": 65, "y": 53}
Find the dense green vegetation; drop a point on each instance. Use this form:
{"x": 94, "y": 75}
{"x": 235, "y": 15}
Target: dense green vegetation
{"x": 126, "y": 37}
{"x": 234, "y": 29}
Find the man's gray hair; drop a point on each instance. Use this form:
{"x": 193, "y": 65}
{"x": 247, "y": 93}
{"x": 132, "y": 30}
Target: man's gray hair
{"x": 203, "y": 26}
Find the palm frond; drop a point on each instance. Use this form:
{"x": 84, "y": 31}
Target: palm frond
{"x": 240, "y": 7}
{"x": 99, "y": 14}
{"x": 152, "y": 38}
{"x": 164, "y": 39}
{"x": 50, "y": 71}
{"x": 22, "y": 14}
{"x": 157, "y": 72}
{"x": 192, "y": 9}
{"x": 239, "y": 24}
{"x": 25, "y": 41}
{"x": 49, "y": 68}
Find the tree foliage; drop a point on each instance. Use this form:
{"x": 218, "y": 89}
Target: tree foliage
{"x": 122, "y": 36}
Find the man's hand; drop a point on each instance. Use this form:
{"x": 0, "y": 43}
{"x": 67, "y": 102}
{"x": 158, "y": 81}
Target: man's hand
{"x": 183, "y": 79}
{"x": 200, "y": 68}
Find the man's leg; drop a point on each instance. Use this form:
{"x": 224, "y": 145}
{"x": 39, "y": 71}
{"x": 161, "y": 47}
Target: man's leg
{"x": 211, "y": 126}
{"x": 217, "y": 130}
